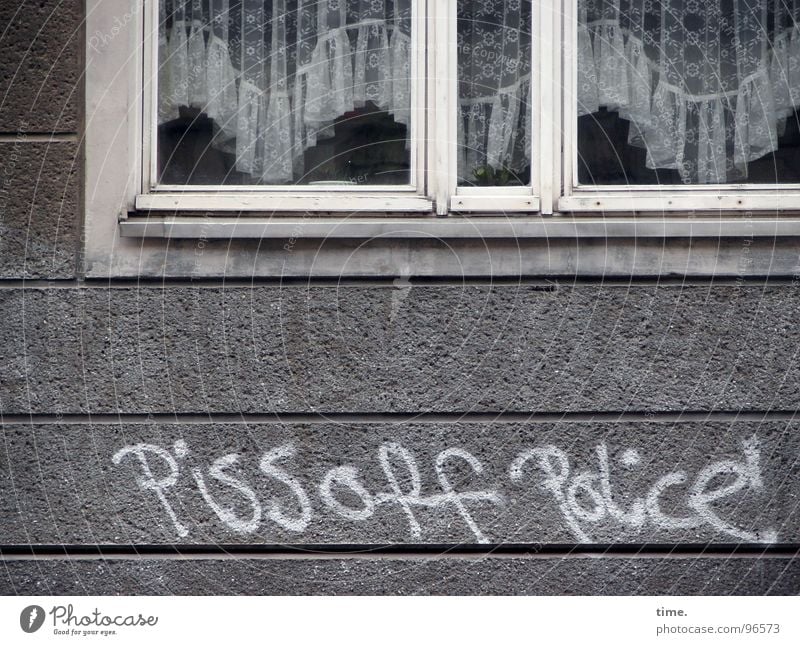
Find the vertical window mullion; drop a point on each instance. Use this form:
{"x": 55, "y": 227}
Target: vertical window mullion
{"x": 548, "y": 116}
{"x": 569, "y": 96}
{"x": 419, "y": 82}
{"x": 443, "y": 103}
{"x": 496, "y": 106}
{"x": 148, "y": 97}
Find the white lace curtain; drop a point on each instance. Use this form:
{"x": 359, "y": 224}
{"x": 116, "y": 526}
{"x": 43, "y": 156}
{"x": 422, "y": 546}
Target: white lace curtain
{"x": 707, "y": 85}
{"x": 494, "y": 73}
{"x": 274, "y": 75}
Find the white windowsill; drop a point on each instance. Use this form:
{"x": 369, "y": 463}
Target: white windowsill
{"x": 665, "y": 201}
{"x": 283, "y": 202}
{"x": 453, "y": 227}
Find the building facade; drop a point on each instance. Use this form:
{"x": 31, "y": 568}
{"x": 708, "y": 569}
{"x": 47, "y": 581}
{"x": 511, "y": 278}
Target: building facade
{"x": 392, "y": 397}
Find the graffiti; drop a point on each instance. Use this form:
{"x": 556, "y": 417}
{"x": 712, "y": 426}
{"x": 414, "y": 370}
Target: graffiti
{"x": 572, "y": 491}
{"x": 585, "y": 498}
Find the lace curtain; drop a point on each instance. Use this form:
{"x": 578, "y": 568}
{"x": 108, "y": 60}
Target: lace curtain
{"x": 274, "y": 75}
{"x": 707, "y": 85}
{"x": 494, "y": 74}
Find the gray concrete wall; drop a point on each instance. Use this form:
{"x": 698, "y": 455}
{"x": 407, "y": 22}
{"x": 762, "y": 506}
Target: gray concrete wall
{"x": 531, "y": 436}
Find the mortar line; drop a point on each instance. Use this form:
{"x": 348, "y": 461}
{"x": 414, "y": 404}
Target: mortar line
{"x": 38, "y": 137}
{"x": 80, "y": 249}
{"x": 508, "y": 417}
{"x": 410, "y": 551}
{"x": 543, "y": 283}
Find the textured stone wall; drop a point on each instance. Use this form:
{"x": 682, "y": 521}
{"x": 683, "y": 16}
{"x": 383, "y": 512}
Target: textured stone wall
{"x": 369, "y": 437}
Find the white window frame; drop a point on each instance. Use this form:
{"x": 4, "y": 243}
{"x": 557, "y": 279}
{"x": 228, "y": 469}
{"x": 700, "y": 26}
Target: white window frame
{"x": 433, "y": 133}
{"x": 577, "y": 198}
{"x": 502, "y": 200}
{"x": 410, "y": 198}
{"x": 553, "y": 187}
{"x": 131, "y": 60}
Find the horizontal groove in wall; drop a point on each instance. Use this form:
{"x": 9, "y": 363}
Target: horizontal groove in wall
{"x": 38, "y": 137}
{"x": 249, "y": 283}
{"x": 245, "y": 418}
{"x": 277, "y": 551}
{"x": 545, "y": 283}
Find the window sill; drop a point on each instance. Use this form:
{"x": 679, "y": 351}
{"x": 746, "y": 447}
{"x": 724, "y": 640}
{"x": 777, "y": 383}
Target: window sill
{"x": 283, "y": 202}
{"x": 453, "y": 227}
{"x": 503, "y": 203}
{"x": 629, "y": 200}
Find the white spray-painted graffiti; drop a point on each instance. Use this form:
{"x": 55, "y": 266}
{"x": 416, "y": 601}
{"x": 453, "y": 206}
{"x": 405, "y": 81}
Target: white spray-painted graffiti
{"x": 584, "y": 499}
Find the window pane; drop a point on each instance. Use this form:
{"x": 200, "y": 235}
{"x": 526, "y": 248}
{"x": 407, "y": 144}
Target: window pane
{"x": 688, "y": 91}
{"x": 284, "y": 92}
{"x": 494, "y": 75}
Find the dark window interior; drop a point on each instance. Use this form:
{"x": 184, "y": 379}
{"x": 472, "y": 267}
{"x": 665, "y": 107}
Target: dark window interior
{"x": 368, "y": 148}
{"x": 606, "y": 158}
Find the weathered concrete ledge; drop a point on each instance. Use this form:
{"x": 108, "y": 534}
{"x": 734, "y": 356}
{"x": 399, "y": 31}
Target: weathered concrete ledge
{"x": 404, "y": 576}
{"x": 400, "y": 349}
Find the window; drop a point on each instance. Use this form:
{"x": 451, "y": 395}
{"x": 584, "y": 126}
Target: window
{"x": 285, "y": 93}
{"x": 682, "y": 104}
{"x": 667, "y": 105}
{"x": 274, "y": 103}
{"x": 497, "y": 69}
{"x": 356, "y": 114}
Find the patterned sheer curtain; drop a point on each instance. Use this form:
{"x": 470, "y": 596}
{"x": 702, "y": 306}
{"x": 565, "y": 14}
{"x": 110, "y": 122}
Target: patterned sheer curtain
{"x": 494, "y": 75}
{"x": 274, "y": 75}
{"x": 707, "y": 85}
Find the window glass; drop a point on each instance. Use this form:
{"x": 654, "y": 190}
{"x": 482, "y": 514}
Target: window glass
{"x": 284, "y": 92}
{"x": 494, "y": 77}
{"x": 688, "y": 91}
